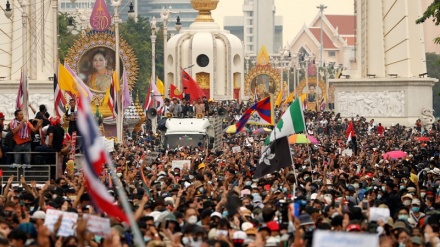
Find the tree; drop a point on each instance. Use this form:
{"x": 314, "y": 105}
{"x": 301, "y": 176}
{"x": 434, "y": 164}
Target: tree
{"x": 433, "y": 70}
{"x": 137, "y": 34}
{"x": 433, "y": 11}
{"x": 66, "y": 38}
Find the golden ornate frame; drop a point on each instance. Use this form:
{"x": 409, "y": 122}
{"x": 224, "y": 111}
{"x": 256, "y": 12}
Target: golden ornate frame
{"x": 261, "y": 70}
{"x": 311, "y": 81}
{"x": 108, "y": 40}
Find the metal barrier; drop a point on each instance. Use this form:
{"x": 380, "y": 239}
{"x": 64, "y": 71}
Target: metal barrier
{"x": 39, "y": 173}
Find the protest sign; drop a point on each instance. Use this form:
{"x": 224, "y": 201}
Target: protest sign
{"x": 109, "y": 144}
{"x": 323, "y": 238}
{"x": 150, "y": 157}
{"x": 180, "y": 163}
{"x": 68, "y": 223}
{"x": 377, "y": 214}
{"x": 97, "y": 225}
{"x": 236, "y": 149}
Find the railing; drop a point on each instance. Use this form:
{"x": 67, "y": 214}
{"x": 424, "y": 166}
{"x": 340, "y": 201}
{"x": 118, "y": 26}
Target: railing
{"x": 39, "y": 173}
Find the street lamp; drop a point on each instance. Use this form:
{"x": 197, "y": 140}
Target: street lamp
{"x": 321, "y": 9}
{"x": 70, "y": 24}
{"x": 153, "y": 66}
{"x": 131, "y": 13}
{"x": 8, "y": 10}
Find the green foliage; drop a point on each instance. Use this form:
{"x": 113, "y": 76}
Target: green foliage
{"x": 433, "y": 11}
{"x": 66, "y": 38}
{"x": 433, "y": 69}
{"x": 137, "y": 34}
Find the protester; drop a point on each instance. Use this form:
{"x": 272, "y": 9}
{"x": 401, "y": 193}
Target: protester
{"x": 214, "y": 199}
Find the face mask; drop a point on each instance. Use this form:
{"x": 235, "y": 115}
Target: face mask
{"x": 303, "y": 202}
{"x": 379, "y": 196}
{"x": 186, "y": 240}
{"x": 192, "y": 219}
{"x": 222, "y": 233}
{"x": 402, "y": 187}
{"x": 147, "y": 239}
{"x": 306, "y": 177}
{"x": 356, "y": 186}
{"x": 329, "y": 187}
{"x": 407, "y": 202}
{"x": 225, "y": 214}
{"x": 404, "y": 181}
{"x": 422, "y": 194}
{"x": 415, "y": 209}
{"x": 255, "y": 194}
{"x": 403, "y": 217}
{"x": 383, "y": 188}
{"x": 284, "y": 190}
{"x": 248, "y": 183}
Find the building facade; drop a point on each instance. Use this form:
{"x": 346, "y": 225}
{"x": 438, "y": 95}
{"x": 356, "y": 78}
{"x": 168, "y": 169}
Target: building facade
{"x": 257, "y": 27}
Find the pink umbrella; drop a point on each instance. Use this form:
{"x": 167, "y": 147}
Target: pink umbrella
{"x": 394, "y": 154}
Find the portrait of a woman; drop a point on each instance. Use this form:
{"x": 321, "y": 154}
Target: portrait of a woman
{"x": 101, "y": 78}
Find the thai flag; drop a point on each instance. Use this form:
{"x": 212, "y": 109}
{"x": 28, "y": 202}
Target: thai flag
{"x": 148, "y": 101}
{"x": 60, "y": 101}
{"x": 20, "y": 95}
{"x": 322, "y": 105}
{"x": 95, "y": 157}
{"x": 112, "y": 104}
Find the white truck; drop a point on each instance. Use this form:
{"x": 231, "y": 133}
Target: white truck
{"x": 190, "y": 132}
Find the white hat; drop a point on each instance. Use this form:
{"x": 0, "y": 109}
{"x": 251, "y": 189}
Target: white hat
{"x": 246, "y": 226}
{"x": 155, "y": 215}
{"x": 313, "y": 196}
{"x": 169, "y": 200}
{"x": 217, "y": 214}
{"x": 39, "y": 215}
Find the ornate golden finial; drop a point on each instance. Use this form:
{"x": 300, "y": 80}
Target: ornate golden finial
{"x": 137, "y": 98}
{"x": 263, "y": 56}
{"x": 204, "y": 7}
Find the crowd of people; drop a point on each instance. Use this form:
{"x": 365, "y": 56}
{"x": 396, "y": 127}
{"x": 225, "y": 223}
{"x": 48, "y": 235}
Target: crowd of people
{"x": 216, "y": 201}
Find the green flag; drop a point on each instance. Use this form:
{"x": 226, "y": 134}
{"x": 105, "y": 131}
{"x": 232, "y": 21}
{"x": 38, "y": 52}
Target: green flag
{"x": 291, "y": 122}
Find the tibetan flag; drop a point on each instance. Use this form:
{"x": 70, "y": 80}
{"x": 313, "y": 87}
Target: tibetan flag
{"x": 157, "y": 98}
{"x": 60, "y": 101}
{"x": 175, "y": 92}
{"x": 291, "y": 122}
{"x": 160, "y": 87}
{"x": 95, "y": 157}
{"x": 274, "y": 157}
{"x": 290, "y": 98}
{"x": 20, "y": 94}
{"x": 263, "y": 113}
{"x": 126, "y": 97}
{"x": 279, "y": 99}
{"x": 244, "y": 119}
{"x": 192, "y": 87}
{"x": 148, "y": 101}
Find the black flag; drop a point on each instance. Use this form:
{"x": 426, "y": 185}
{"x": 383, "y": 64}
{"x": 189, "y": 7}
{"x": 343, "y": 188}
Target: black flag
{"x": 275, "y": 156}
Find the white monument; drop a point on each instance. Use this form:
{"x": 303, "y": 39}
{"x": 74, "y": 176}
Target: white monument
{"x": 216, "y": 55}
{"x": 28, "y": 43}
{"x": 390, "y": 83}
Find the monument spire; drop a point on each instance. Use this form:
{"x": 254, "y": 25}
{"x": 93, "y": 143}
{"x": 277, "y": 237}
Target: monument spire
{"x": 204, "y": 7}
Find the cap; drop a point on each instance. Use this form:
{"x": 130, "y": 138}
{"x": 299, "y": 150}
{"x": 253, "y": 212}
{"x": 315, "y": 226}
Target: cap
{"x": 39, "y": 215}
{"x": 273, "y": 226}
{"x": 2, "y": 116}
{"x": 306, "y": 219}
{"x": 217, "y": 214}
{"x": 246, "y": 226}
{"x": 201, "y": 165}
{"x": 354, "y": 228}
{"x": 415, "y": 201}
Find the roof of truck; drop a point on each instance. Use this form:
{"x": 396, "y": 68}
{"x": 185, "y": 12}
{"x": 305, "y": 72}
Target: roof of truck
{"x": 186, "y": 125}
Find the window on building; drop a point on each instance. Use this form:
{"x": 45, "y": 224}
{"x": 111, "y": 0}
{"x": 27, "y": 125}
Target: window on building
{"x": 250, "y": 22}
{"x": 250, "y": 30}
{"x": 250, "y": 39}
{"x": 332, "y": 54}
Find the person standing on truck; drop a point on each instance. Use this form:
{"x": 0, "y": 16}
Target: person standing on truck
{"x": 186, "y": 107}
{"x": 199, "y": 107}
{"x": 175, "y": 107}
{"x": 166, "y": 106}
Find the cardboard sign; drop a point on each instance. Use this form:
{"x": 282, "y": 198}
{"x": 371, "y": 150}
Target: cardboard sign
{"x": 180, "y": 163}
{"x": 68, "y": 223}
{"x": 109, "y": 144}
{"x": 323, "y": 238}
{"x": 236, "y": 149}
{"x": 377, "y": 214}
{"x": 150, "y": 157}
{"x": 98, "y": 225}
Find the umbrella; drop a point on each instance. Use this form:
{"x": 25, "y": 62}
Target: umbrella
{"x": 423, "y": 139}
{"x": 394, "y": 154}
{"x": 302, "y": 139}
{"x": 261, "y": 131}
{"x": 231, "y": 129}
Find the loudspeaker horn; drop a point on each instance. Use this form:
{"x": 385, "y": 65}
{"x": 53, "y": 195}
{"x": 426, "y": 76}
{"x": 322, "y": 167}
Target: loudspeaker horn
{"x": 222, "y": 113}
{"x": 152, "y": 113}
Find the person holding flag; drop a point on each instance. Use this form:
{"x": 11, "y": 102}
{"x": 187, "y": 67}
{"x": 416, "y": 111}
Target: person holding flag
{"x": 351, "y": 136}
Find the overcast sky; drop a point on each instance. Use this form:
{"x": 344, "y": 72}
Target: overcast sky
{"x": 294, "y": 12}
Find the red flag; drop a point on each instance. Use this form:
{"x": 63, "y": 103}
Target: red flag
{"x": 350, "y": 130}
{"x": 1, "y": 172}
{"x": 191, "y": 86}
{"x": 175, "y": 92}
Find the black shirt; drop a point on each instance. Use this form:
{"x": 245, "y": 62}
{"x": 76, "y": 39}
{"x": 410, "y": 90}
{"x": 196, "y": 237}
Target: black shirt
{"x": 58, "y": 136}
